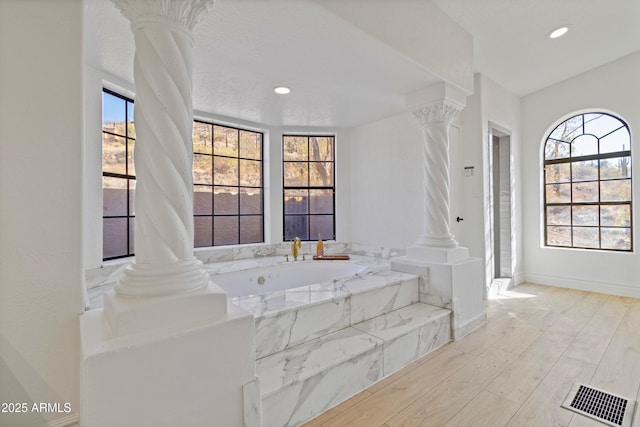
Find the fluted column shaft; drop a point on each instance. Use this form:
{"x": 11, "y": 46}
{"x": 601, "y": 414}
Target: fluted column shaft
{"x": 435, "y": 120}
{"x": 163, "y": 153}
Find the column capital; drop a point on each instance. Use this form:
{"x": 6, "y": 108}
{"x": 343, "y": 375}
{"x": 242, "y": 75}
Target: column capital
{"x": 440, "y": 113}
{"x": 185, "y": 12}
{"x": 438, "y": 103}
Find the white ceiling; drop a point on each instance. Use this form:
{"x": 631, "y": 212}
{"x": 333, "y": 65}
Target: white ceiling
{"x": 512, "y": 48}
{"x": 340, "y": 76}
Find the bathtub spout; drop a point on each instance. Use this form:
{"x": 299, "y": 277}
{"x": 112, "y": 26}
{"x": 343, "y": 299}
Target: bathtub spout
{"x": 295, "y": 245}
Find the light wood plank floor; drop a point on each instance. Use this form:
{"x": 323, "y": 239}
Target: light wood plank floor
{"x": 514, "y": 371}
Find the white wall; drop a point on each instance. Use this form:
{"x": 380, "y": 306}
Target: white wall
{"x": 613, "y": 88}
{"x": 386, "y": 174}
{"x": 41, "y": 159}
{"x": 386, "y": 182}
{"x": 472, "y": 142}
{"x": 502, "y": 109}
{"x": 490, "y": 103}
{"x": 386, "y": 177}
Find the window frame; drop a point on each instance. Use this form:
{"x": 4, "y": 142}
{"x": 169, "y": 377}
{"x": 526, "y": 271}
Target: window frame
{"x": 130, "y": 184}
{"x": 130, "y": 215}
{"x": 572, "y": 160}
{"x": 309, "y": 187}
{"x": 239, "y": 187}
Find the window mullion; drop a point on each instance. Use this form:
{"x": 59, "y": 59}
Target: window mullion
{"x": 582, "y": 167}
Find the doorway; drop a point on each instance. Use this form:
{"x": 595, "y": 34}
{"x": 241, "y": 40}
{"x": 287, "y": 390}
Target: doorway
{"x": 501, "y": 209}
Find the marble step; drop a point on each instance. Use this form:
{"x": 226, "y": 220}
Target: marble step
{"x": 303, "y": 381}
{"x": 409, "y": 333}
{"x": 323, "y": 309}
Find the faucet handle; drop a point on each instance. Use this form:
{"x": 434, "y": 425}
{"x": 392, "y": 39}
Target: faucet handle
{"x": 286, "y": 257}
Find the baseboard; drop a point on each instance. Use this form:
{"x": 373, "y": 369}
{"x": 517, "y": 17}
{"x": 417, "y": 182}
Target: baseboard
{"x": 584, "y": 285}
{"x": 518, "y": 278}
{"x": 469, "y": 326}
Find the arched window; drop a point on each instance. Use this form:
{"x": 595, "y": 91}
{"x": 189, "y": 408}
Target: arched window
{"x": 587, "y": 184}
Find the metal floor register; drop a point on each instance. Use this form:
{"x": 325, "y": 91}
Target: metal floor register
{"x": 599, "y": 405}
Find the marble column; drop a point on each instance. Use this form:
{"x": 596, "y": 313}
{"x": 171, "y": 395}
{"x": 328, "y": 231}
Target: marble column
{"x": 450, "y": 278}
{"x": 164, "y": 262}
{"x": 435, "y": 109}
{"x": 435, "y": 120}
{"x": 166, "y": 283}
{"x": 167, "y": 323}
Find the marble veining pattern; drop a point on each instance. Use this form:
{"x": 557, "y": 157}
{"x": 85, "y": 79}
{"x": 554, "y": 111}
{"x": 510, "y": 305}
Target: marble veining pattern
{"x": 299, "y": 363}
{"x": 290, "y": 317}
{"x": 252, "y": 403}
{"x": 404, "y": 349}
{"x": 312, "y": 377}
{"x": 409, "y": 333}
{"x": 366, "y": 305}
{"x": 276, "y": 333}
{"x": 303, "y": 381}
{"x": 399, "y": 322}
{"x": 100, "y": 280}
{"x": 427, "y": 298}
{"x": 306, "y": 399}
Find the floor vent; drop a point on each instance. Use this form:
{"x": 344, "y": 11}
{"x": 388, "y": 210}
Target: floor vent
{"x": 605, "y": 407}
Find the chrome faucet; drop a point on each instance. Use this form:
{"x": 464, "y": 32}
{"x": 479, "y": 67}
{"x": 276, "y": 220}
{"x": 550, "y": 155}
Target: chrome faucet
{"x": 295, "y": 245}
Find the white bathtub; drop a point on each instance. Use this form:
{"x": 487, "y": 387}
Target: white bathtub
{"x": 282, "y": 276}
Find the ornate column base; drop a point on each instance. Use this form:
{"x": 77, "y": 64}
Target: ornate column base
{"x": 156, "y": 280}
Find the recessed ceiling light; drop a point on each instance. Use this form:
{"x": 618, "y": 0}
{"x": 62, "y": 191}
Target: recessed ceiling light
{"x": 558, "y": 32}
{"x": 281, "y": 90}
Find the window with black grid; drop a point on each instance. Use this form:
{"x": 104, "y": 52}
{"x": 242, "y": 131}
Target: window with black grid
{"x": 309, "y": 187}
{"x": 118, "y": 176}
{"x": 228, "y": 181}
{"x": 228, "y": 185}
{"x": 587, "y": 184}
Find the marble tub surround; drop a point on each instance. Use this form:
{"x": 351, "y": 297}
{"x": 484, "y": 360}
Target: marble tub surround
{"x": 242, "y": 252}
{"x": 409, "y": 333}
{"x": 101, "y": 279}
{"x": 301, "y": 362}
{"x": 305, "y": 313}
{"x": 318, "y": 345}
{"x": 285, "y": 329}
{"x": 310, "y": 378}
{"x": 289, "y": 317}
{"x": 376, "y": 251}
{"x": 376, "y": 274}
{"x": 303, "y": 381}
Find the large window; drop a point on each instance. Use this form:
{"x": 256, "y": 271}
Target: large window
{"x": 228, "y": 188}
{"x": 118, "y": 176}
{"x": 309, "y": 191}
{"x": 587, "y": 184}
{"x": 227, "y": 175}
